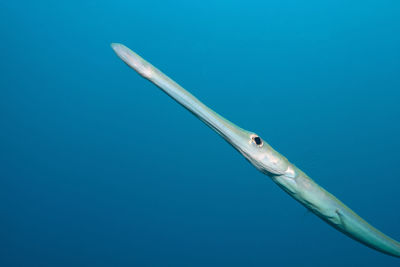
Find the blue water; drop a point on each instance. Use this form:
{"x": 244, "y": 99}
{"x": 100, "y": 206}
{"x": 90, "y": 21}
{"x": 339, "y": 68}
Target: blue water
{"x": 100, "y": 168}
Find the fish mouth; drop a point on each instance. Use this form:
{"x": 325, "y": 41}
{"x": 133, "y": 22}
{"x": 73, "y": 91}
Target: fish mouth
{"x": 233, "y": 134}
{"x": 133, "y": 60}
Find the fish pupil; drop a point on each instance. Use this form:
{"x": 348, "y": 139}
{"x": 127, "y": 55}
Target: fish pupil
{"x": 257, "y": 140}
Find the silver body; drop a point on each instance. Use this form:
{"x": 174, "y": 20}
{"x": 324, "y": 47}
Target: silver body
{"x": 267, "y": 160}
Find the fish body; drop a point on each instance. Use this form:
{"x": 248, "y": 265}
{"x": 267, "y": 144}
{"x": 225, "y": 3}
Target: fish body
{"x": 270, "y": 162}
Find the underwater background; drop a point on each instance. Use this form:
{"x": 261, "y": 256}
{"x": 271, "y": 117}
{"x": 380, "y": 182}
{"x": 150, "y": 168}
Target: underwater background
{"x": 100, "y": 168}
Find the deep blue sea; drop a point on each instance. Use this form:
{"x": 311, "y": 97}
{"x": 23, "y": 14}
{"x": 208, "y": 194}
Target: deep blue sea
{"x": 98, "y": 167}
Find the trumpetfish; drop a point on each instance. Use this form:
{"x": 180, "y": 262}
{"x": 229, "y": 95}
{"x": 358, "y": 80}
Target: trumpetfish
{"x": 267, "y": 160}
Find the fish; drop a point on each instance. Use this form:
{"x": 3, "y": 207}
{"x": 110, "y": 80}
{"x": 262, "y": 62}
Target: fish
{"x": 267, "y": 160}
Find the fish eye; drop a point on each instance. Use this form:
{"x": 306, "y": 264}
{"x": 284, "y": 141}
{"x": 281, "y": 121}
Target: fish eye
{"x": 257, "y": 140}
